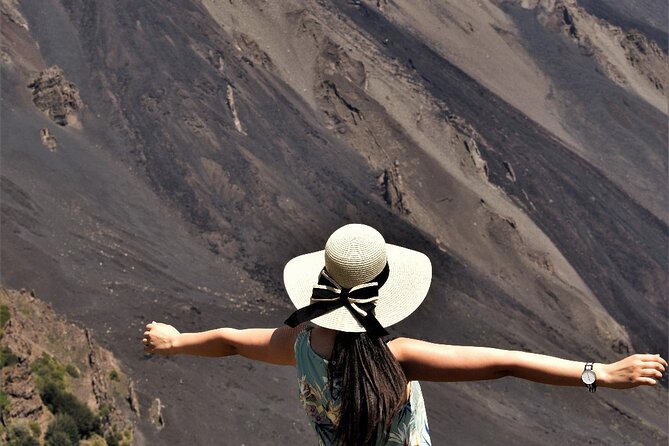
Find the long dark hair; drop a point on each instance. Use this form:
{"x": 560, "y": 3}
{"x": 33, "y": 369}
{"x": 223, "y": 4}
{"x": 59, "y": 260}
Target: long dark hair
{"x": 372, "y": 387}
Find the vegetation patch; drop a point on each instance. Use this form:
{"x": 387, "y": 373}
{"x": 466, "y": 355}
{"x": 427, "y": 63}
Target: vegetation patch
{"x": 7, "y": 357}
{"x": 72, "y": 370}
{"x": 4, "y": 403}
{"x": 62, "y": 431}
{"x": 20, "y": 436}
{"x": 4, "y": 318}
{"x": 119, "y": 438}
{"x": 64, "y": 403}
{"x": 74, "y": 419}
{"x": 47, "y": 370}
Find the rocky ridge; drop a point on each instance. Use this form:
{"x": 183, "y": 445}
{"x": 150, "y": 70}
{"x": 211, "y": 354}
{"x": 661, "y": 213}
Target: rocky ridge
{"x": 94, "y": 375}
{"x": 627, "y": 57}
{"x": 10, "y": 9}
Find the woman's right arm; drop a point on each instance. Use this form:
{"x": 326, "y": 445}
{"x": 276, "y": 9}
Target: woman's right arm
{"x": 273, "y": 345}
{"x": 438, "y": 362}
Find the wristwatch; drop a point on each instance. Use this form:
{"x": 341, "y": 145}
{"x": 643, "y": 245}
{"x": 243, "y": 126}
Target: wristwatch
{"x": 589, "y": 378}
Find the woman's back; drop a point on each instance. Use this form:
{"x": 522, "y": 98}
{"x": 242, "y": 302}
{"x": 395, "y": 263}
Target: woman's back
{"x": 322, "y": 401}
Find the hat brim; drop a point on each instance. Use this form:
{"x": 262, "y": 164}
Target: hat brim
{"x": 404, "y": 291}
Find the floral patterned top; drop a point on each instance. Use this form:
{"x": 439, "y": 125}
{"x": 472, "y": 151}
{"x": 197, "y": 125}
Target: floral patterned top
{"x": 323, "y": 405}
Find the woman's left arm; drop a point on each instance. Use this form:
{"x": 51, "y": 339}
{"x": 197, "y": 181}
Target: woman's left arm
{"x": 439, "y": 362}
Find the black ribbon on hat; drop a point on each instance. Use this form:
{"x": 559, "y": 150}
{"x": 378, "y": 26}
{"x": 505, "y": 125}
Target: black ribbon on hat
{"x": 360, "y": 301}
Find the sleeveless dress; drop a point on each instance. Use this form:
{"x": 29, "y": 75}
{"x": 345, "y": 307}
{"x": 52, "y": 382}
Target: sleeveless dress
{"x": 323, "y": 406}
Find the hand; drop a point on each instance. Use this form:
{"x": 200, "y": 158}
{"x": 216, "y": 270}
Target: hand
{"x": 633, "y": 371}
{"x": 159, "y": 338}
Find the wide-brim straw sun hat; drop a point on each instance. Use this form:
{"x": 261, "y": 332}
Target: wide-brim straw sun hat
{"x": 354, "y": 255}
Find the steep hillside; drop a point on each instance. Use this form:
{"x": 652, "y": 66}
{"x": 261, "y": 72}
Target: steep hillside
{"x": 44, "y": 359}
{"x": 163, "y": 160}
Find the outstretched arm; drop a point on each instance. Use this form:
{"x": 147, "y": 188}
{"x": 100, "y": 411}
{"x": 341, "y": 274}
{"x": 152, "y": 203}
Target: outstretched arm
{"x": 273, "y": 345}
{"x": 437, "y": 362}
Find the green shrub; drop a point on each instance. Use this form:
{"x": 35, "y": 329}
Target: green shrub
{"x": 113, "y": 438}
{"x": 19, "y": 436}
{"x": 103, "y": 412}
{"x": 119, "y": 438}
{"x": 127, "y": 438}
{"x": 48, "y": 370}
{"x": 113, "y": 375}
{"x": 4, "y": 315}
{"x": 61, "y": 402}
{"x": 96, "y": 440}
{"x": 4, "y": 402}
{"x": 72, "y": 371}
{"x": 59, "y": 438}
{"x": 62, "y": 431}
{"x": 35, "y": 428}
{"x": 7, "y": 357}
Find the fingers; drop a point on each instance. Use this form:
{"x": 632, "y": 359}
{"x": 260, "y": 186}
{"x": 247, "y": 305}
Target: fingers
{"x": 652, "y": 373}
{"x": 148, "y": 347}
{"x": 653, "y": 364}
{"x": 656, "y": 365}
{"x": 646, "y": 381}
{"x": 146, "y": 340}
{"x": 653, "y": 367}
{"x": 651, "y": 358}
{"x": 648, "y": 361}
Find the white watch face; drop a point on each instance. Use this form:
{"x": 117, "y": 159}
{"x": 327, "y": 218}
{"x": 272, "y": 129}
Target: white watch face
{"x": 588, "y": 377}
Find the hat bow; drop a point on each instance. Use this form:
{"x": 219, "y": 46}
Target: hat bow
{"x": 360, "y": 301}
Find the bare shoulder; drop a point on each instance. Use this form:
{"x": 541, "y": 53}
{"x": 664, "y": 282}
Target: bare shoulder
{"x": 273, "y": 345}
{"x": 287, "y": 335}
{"x": 404, "y": 348}
{"x": 283, "y": 340}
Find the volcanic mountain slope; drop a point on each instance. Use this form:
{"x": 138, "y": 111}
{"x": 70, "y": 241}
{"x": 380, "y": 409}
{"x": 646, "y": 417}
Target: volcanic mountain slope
{"x": 163, "y": 160}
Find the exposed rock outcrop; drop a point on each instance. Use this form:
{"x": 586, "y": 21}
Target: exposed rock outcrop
{"x": 479, "y": 163}
{"x": 627, "y": 57}
{"x": 156, "y": 414}
{"x": 393, "y": 189}
{"x": 647, "y": 57}
{"x": 25, "y": 402}
{"x": 132, "y": 399}
{"x": 510, "y": 173}
{"x": 56, "y": 96}
{"x": 10, "y": 9}
{"x": 252, "y": 53}
{"x": 230, "y": 96}
{"x": 48, "y": 139}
